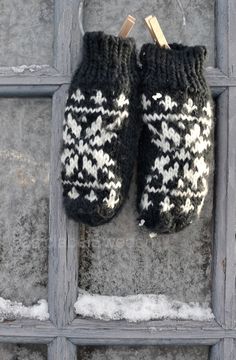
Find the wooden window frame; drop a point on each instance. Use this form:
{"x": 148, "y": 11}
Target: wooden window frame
{"x": 63, "y": 333}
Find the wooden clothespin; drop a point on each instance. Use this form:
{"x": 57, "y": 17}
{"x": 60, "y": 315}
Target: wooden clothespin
{"x": 156, "y": 31}
{"x": 127, "y": 26}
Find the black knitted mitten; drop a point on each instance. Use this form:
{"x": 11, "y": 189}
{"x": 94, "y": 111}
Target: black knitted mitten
{"x": 100, "y": 134}
{"x": 176, "y": 138}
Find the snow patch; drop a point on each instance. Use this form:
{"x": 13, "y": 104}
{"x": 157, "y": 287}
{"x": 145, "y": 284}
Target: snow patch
{"x": 139, "y": 308}
{"x": 11, "y": 310}
{"x": 152, "y": 235}
{"x": 142, "y": 222}
{"x": 31, "y": 68}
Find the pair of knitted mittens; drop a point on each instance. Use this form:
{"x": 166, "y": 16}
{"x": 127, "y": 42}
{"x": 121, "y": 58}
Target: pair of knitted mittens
{"x": 101, "y": 134}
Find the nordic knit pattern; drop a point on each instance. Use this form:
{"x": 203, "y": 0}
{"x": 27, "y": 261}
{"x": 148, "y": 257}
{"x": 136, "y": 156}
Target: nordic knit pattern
{"x": 176, "y": 137}
{"x": 100, "y": 134}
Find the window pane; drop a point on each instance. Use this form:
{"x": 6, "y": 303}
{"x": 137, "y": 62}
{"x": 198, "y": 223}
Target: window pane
{"x": 26, "y": 32}
{"x": 24, "y": 193}
{"x": 189, "y": 22}
{"x": 121, "y": 258}
{"x": 23, "y": 352}
{"x": 144, "y": 353}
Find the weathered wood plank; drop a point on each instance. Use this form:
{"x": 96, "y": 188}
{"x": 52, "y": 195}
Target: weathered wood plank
{"x": 224, "y": 350}
{"x": 66, "y": 27}
{"x": 229, "y": 349}
{"x": 95, "y": 332}
{"x": 230, "y": 299}
{"x": 222, "y": 34}
{"x": 27, "y": 331}
{"x": 230, "y": 180}
{"x": 62, "y": 36}
{"x": 82, "y": 323}
{"x": 31, "y": 71}
{"x": 76, "y": 38}
{"x": 48, "y": 90}
{"x": 62, "y": 349}
{"x": 224, "y": 267}
{"x": 63, "y": 258}
{"x": 215, "y": 77}
{"x": 217, "y": 351}
{"x": 34, "y": 80}
{"x": 219, "y": 245}
{"x": 231, "y": 38}
{"x": 30, "y": 90}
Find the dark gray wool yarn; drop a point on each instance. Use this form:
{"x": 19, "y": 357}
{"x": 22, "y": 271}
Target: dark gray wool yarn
{"x": 176, "y": 138}
{"x": 100, "y": 134}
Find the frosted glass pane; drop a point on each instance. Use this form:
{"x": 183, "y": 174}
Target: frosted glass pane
{"x": 23, "y": 352}
{"x": 189, "y": 22}
{"x": 121, "y": 258}
{"x": 26, "y": 32}
{"x": 144, "y": 353}
{"x": 24, "y": 193}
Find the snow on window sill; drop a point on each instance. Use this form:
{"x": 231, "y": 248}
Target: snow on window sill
{"x": 12, "y": 310}
{"x": 140, "y": 307}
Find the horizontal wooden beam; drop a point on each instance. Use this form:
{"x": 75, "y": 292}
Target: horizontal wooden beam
{"x": 49, "y": 90}
{"x": 31, "y": 71}
{"x": 34, "y": 80}
{"x": 215, "y": 78}
{"x": 27, "y": 331}
{"x": 30, "y": 76}
{"x": 95, "y": 332}
{"x": 30, "y": 90}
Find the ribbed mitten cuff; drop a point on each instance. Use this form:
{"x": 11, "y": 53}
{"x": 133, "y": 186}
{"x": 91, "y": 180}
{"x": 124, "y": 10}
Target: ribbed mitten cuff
{"x": 107, "y": 58}
{"x": 180, "y": 67}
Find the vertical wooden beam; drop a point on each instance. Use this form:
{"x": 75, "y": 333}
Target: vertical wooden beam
{"x": 225, "y": 36}
{"x": 224, "y": 269}
{"x": 222, "y": 35}
{"x": 63, "y": 259}
{"x": 230, "y": 265}
{"x": 224, "y": 292}
{"x": 77, "y": 36}
{"x": 230, "y": 301}
{"x": 66, "y": 20}
{"x": 224, "y": 350}
{"x": 231, "y": 38}
{"x": 217, "y": 351}
{"x": 62, "y": 349}
{"x": 220, "y": 230}
{"x": 229, "y": 349}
